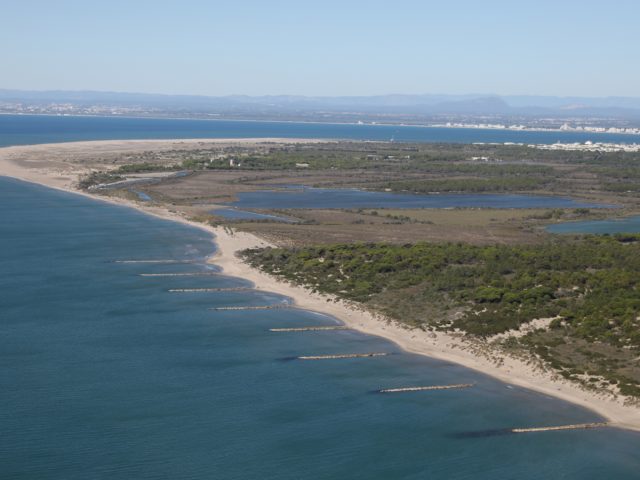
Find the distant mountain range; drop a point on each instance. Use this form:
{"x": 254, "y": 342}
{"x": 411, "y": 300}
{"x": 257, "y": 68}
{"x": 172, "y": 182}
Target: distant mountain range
{"x": 310, "y": 106}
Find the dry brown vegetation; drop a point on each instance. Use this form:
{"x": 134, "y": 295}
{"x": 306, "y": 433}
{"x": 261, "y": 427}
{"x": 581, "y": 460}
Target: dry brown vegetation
{"x": 378, "y": 166}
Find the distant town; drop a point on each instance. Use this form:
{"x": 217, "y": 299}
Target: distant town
{"x": 578, "y": 147}
{"x": 564, "y": 128}
{"x": 68, "y": 109}
{"x": 71, "y": 109}
{"x": 592, "y": 115}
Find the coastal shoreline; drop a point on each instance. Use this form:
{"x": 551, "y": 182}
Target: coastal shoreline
{"x": 436, "y": 345}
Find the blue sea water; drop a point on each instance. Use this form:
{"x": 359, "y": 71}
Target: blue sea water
{"x": 106, "y": 374}
{"x": 32, "y": 129}
{"x": 306, "y": 197}
{"x": 599, "y": 227}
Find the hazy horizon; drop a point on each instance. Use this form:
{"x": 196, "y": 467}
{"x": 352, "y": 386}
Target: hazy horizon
{"x": 610, "y": 111}
{"x": 471, "y": 94}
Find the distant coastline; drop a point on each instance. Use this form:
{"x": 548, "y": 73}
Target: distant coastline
{"x": 597, "y": 130}
{"x": 30, "y": 129}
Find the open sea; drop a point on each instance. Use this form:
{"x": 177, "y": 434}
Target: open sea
{"x": 30, "y": 129}
{"x": 106, "y": 373}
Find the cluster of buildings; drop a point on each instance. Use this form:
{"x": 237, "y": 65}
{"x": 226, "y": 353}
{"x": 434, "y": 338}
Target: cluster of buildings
{"x": 486, "y": 159}
{"x": 486, "y": 126}
{"x": 564, "y": 128}
{"x": 568, "y": 128}
{"x": 71, "y": 109}
{"x": 591, "y": 147}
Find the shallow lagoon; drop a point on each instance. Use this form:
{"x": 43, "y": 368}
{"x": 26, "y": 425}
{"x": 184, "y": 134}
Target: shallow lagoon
{"x": 307, "y": 197}
{"x": 105, "y": 374}
{"x": 623, "y": 225}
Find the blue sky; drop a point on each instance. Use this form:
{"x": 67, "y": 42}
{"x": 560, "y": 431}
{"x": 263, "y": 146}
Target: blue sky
{"x": 561, "y": 47}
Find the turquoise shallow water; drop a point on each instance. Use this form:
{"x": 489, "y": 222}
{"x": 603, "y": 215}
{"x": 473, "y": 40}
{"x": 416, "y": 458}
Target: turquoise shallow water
{"x": 105, "y": 374}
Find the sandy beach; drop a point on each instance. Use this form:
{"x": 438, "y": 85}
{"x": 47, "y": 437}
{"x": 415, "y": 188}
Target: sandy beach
{"x": 59, "y": 171}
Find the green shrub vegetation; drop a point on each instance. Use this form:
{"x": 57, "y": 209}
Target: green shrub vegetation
{"x": 146, "y": 167}
{"x": 590, "y": 285}
{"x": 590, "y": 282}
{"x": 470, "y": 185}
{"x": 97, "y": 178}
